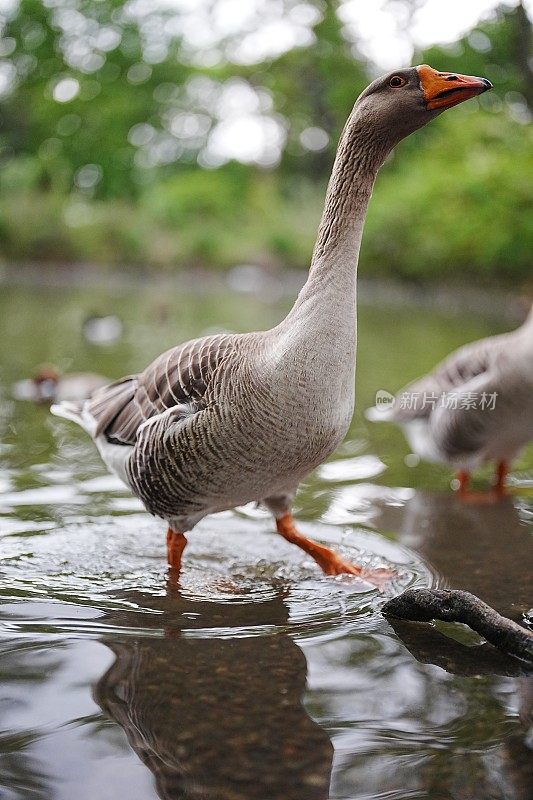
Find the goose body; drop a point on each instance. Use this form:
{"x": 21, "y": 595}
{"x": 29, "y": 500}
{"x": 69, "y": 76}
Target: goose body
{"x": 167, "y": 431}
{"x": 224, "y": 420}
{"x": 476, "y": 406}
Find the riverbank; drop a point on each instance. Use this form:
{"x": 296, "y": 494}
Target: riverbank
{"x": 272, "y": 285}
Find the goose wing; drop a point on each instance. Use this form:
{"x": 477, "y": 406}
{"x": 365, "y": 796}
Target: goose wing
{"x": 182, "y": 378}
{"x": 419, "y": 399}
{"x": 467, "y": 429}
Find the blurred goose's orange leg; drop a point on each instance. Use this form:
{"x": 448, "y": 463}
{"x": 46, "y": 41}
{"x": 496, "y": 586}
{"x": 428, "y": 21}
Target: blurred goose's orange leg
{"x": 175, "y": 546}
{"x": 327, "y": 559}
{"x": 464, "y": 479}
{"x": 502, "y": 470}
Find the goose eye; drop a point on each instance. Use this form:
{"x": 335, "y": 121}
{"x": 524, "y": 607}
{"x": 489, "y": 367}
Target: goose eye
{"x": 396, "y": 81}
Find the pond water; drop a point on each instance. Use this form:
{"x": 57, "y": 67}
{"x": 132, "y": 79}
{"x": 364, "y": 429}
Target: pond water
{"x": 255, "y": 677}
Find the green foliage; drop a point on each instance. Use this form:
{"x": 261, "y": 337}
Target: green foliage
{"x": 493, "y": 49}
{"x": 316, "y": 86}
{"x": 100, "y": 170}
{"x": 92, "y": 127}
{"x": 459, "y": 212}
{"x": 198, "y": 196}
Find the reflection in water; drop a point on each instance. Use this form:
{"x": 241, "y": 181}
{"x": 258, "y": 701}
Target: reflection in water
{"x": 429, "y": 646}
{"x": 217, "y": 717}
{"x": 442, "y": 725}
{"x": 19, "y": 767}
{"x": 403, "y": 729}
{"x": 477, "y": 547}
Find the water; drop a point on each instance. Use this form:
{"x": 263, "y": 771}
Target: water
{"x": 255, "y": 678}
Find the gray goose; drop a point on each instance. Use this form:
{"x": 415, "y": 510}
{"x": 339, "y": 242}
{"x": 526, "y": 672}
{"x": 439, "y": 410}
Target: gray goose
{"x": 476, "y": 406}
{"x": 227, "y": 419}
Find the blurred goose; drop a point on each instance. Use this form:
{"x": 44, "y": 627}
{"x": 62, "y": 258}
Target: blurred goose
{"x": 232, "y": 418}
{"x": 475, "y": 406}
{"x": 48, "y": 385}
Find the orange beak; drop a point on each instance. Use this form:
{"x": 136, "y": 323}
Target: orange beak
{"x": 447, "y": 89}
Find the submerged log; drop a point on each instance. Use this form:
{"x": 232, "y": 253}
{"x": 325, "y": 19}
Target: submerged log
{"x": 451, "y": 605}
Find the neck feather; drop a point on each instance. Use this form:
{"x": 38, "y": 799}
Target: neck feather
{"x": 315, "y": 345}
{"x": 358, "y": 159}
{"x": 334, "y": 263}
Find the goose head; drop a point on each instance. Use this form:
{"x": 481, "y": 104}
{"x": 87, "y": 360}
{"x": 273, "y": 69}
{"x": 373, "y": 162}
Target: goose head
{"x": 45, "y": 382}
{"x": 399, "y": 103}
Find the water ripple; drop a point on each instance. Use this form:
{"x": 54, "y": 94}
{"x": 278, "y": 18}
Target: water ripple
{"x": 239, "y": 579}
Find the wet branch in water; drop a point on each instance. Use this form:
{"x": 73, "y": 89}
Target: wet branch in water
{"x": 450, "y": 605}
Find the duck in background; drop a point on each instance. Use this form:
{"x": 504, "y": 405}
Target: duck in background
{"x": 475, "y": 407}
{"x": 102, "y": 329}
{"x": 48, "y": 385}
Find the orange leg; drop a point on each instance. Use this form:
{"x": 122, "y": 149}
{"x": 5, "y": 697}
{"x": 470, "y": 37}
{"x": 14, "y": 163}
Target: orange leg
{"x": 327, "y": 559}
{"x": 502, "y": 470}
{"x": 464, "y": 478}
{"x": 175, "y": 546}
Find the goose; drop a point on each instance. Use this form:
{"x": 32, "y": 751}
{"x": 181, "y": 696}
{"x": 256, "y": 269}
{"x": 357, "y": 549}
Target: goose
{"x": 48, "y": 385}
{"x": 475, "y": 407}
{"x": 227, "y": 419}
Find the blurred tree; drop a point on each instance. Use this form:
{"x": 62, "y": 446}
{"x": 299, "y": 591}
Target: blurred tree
{"x": 103, "y": 100}
{"x": 500, "y": 49}
{"x": 82, "y": 78}
{"x": 315, "y": 88}
{"x": 404, "y": 12}
{"x": 524, "y": 51}
{"x": 103, "y": 103}
{"x": 474, "y": 200}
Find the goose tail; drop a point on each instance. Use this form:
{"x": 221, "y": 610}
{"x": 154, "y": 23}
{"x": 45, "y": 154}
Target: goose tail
{"x": 379, "y": 414}
{"x": 67, "y": 410}
{"x": 76, "y": 412}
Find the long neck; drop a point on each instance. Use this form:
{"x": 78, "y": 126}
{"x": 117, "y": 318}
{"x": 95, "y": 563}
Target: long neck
{"x": 333, "y": 272}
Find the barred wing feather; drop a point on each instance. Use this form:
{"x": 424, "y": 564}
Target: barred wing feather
{"x": 182, "y": 376}
{"x": 417, "y": 400}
